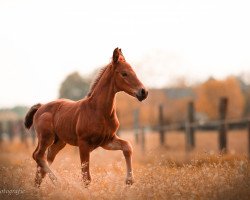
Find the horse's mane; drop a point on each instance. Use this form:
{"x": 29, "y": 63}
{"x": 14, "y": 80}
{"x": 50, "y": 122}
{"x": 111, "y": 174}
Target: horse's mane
{"x": 96, "y": 80}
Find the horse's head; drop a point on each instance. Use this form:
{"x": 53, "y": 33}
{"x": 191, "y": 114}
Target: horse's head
{"x": 125, "y": 77}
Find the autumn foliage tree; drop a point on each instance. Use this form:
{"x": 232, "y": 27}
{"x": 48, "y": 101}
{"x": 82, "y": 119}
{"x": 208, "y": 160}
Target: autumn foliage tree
{"x": 210, "y": 92}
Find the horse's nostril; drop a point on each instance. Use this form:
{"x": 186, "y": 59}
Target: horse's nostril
{"x": 143, "y": 92}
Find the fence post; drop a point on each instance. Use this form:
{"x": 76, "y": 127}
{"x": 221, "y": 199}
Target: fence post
{"x": 136, "y": 125}
{"x": 222, "y": 127}
{"x": 11, "y": 130}
{"x": 190, "y": 137}
{"x": 143, "y": 139}
{"x": 161, "y": 123}
{"x": 33, "y": 135}
{"x": 1, "y": 132}
{"x": 248, "y": 127}
{"x": 21, "y": 131}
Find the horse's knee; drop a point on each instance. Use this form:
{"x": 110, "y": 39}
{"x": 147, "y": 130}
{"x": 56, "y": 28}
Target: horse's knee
{"x": 38, "y": 158}
{"x": 127, "y": 149}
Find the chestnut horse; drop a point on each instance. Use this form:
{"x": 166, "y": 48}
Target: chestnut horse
{"x": 88, "y": 123}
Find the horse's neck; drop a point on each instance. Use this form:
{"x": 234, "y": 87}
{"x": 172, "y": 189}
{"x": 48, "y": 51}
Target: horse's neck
{"x": 103, "y": 95}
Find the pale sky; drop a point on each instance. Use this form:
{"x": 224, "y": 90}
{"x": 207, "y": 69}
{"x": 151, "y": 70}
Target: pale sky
{"x": 43, "y": 41}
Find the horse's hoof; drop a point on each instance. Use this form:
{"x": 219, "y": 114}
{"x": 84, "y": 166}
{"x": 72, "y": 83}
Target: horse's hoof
{"x": 86, "y": 183}
{"x": 129, "y": 181}
{"x": 37, "y": 185}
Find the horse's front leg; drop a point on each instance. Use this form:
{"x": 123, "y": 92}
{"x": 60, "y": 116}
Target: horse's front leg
{"x": 84, "y": 155}
{"x": 119, "y": 144}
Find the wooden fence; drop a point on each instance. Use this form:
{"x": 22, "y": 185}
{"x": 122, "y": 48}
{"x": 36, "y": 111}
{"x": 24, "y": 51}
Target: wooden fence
{"x": 12, "y": 129}
{"x": 222, "y": 125}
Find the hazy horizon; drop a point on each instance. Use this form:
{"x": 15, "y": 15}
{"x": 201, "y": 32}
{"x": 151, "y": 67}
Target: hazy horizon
{"x": 42, "y": 42}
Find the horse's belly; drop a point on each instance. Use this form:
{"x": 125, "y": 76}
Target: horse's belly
{"x": 68, "y": 136}
{"x": 97, "y": 132}
{"x": 100, "y": 139}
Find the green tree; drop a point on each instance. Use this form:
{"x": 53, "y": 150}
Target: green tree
{"x": 74, "y": 87}
{"x": 20, "y": 110}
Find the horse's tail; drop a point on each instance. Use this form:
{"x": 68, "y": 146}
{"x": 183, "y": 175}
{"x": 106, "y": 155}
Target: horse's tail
{"x": 28, "y": 121}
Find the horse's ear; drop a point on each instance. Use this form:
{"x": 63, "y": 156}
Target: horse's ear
{"x": 117, "y": 55}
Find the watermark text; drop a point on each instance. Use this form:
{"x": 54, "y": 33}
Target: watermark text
{"x": 11, "y": 191}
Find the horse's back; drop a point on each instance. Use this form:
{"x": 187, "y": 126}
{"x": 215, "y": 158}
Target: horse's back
{"x": 51, "y": 107}
{"x": 53, "y": 115}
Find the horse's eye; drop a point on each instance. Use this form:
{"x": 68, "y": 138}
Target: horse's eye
{"x": 124, "y": 74}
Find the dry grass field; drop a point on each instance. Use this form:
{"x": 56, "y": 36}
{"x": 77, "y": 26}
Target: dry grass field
{"x": 160, "y": 172}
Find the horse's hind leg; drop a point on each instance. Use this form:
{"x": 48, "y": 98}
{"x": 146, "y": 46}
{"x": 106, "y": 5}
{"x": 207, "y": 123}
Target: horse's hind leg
{"x": 40, "y": 174}
{"x": 54, "y": 149}
{"x": 45, "y": 139}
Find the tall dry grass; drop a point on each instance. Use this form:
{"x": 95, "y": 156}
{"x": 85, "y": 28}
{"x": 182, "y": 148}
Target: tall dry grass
{"x": 160, "y": 172}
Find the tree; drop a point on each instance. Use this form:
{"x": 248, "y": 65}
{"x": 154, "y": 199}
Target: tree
{"x": 210, "y": 92}
{"x": 74, "y": 87}
{"x": 20, "y": 110}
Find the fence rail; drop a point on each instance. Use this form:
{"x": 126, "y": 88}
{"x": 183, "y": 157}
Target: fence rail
{"x": 190, "y": 126}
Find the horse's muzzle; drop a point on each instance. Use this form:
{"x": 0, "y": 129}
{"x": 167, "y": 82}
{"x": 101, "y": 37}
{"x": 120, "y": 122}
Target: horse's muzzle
{"x": 142, "y": 94}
